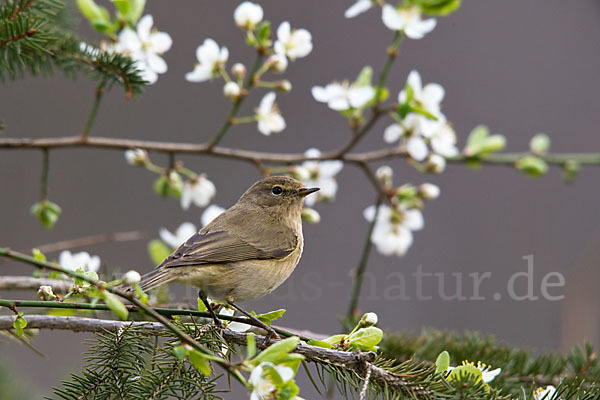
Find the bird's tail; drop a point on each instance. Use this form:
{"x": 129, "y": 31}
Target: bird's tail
{"x": 156, "y": 278}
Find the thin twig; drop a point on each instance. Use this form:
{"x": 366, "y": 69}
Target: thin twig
{"x": 238, "y": 102}
{"x": 95, "y": 106}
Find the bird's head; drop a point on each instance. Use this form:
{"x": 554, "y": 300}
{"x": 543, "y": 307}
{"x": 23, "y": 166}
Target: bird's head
{"x": 277, "y": 192}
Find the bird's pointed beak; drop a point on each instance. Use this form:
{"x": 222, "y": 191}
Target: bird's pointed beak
{"x": 303, "y": 192}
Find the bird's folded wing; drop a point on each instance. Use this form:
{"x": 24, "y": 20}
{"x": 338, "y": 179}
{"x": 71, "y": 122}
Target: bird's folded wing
{"x": 222, "y": 247}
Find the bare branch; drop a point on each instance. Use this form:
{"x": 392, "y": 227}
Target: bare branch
{"x": 31, "y": 283}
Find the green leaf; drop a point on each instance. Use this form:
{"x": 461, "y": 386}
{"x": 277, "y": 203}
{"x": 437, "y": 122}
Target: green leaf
{"x": 46, "y": 212}
{"x": 270, "y": 316}
{"x": 532, "y": 166}
{"x": 277, "y": 351}
{"x": 141, "y": 294}
{"x": 200, "y": 362}
{"x": 288, "y": 391}
{"x": 480, "y": 143}
{"x": 334, "y": 340}
{"x": 98, "y": 16}
{"x": 115, "y": 305}
{"x": 366, "y": 338}
{"x": 442, "y": 362}
{"x": 158, "y": 251}
{"x": 320, "y": 343}
{"x": 263, "y": 32}
{"x": 38, "y": 255}
{"x": 122, "y": 6}
{"x": 179, "y": 352}
{"x": 136, "y": 9}
{"x": 420, "y": 110}
{"x": 439, "y": 7}
{"x": 19, "y": 324}
{"x": 201, "y": 305}
{"x": 364, "y": 77}
{"x": 540, "y": 144}
{"x": 293, "y": 361}
{"x": 250, "y": 346}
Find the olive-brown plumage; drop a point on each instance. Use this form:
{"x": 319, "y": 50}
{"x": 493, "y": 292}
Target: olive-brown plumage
{"x": 248, "y": 250}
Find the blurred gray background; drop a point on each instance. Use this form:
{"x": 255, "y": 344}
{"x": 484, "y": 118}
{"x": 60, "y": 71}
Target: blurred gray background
{"x": 522, "y": 67}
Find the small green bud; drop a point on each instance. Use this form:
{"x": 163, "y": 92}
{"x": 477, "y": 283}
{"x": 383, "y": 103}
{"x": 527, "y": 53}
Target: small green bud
{"x": 532, "y": 166}
{"x": 311, "y": 215}
{"x": 570, "y": 170}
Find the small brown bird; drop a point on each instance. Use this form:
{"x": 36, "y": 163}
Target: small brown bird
{"x": 244, "y": 253}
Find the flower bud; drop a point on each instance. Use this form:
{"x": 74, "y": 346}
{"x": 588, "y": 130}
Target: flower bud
{"x": 436, "y": 164}
{"x": 46, "y": 293}
{"x": 247, "y": 15}
{"x": 540, "y": 144}
{"x": 311, "y": 215}
{"x": 284, "y": 86}
{"x": 277, "y": 62}
{"x": 238, "y": 70}
{"x": 137, "y": 157}
{"x": 131, "y": 278}
{"x": 384, "y": 174}
{"x": 369, "y": 319}
{"x": 231, "y": 90}
{"x": 429, "y": 191}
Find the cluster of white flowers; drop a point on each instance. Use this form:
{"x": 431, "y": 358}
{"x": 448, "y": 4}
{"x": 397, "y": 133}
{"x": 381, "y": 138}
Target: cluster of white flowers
{"x": 405, "y": 18}
{"x": 426, "y": 132}
{"x": 319, "y": 174}
{"x": 262, "y": 382}
{"x": 145, "y": 46}
{"x": 188, "y": 229}
{"x": 342, "y": 96}
{"x": 392, "y": 233}
{"x": 74, "y": 261}
{"x": 290, "y": 44}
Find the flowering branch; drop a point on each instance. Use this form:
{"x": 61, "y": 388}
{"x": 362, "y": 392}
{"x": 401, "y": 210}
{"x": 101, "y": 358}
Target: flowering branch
{"x": 358, "y": 362}
{"x": 5, "y": 252}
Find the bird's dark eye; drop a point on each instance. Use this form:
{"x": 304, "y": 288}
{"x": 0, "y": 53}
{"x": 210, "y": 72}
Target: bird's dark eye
{"x": 277, "y": 190}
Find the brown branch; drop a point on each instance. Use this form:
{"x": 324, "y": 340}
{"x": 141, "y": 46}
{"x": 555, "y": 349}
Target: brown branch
{"x": 355, "y": 361}
{"x": 88, "y": 241}
{"x": 15, "y": 38}
{"x": 31, "y": 283}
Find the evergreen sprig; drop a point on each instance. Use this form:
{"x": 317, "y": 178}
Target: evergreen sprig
{"x": 36, "y": 38}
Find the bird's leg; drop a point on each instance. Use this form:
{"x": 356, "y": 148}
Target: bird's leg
{"x": 271, "y": 334}
{"x": 202, "y": 297}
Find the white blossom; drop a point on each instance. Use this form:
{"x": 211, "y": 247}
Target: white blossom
{"x": 247, "y": 15}
{"x": 211, "y": 212}
{"x": 429, "y": 97}
{"x": 422, "y": 134}
{"x": 277, "y": 62}
{"x": 131, "y": 278}
{"x": 436, "y": 163}
{"x": 262, "y": 384}
{"x": 183, "y": 233}
{"x": 231, "y": 90}
{"x": 429, "y": 191}
{"x": 146, "y": 47}
{"x": 45, "y": 293}
{"x": 211, "y": 59}
{"x": 268, "y": 115}
{"x": 369, "y": 319}
{"x": 238, "y": 70}
{"x": 358, "y": 8}
{"x": 392, "y": 233}
{"x": 319, "y": 174}
{"x": 198, "y": 191}
{"x": 294, "y": 44}
{"x": 232, "y": 325}
{"x": 74, "y": 261}
{"x": 487, "y": 374}
{"x": 544, "y": 394}
{"x": 407, "y": 19}
{"x": 342, "y": 96}
{"x": 137, "y": 157}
